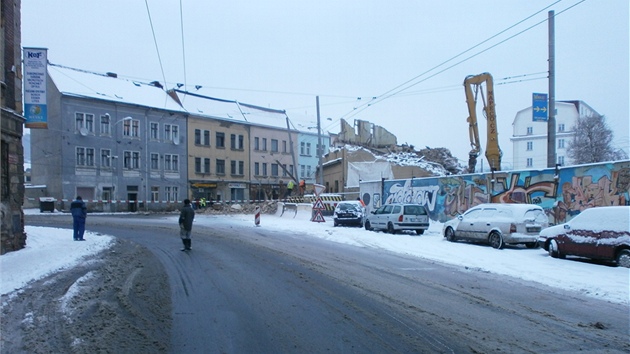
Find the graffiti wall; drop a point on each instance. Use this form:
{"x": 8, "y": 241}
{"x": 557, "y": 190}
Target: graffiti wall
{"x": 563, "y": 192}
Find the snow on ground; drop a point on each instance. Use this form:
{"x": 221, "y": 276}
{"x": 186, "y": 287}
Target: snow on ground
{"x": 49, "y": 250}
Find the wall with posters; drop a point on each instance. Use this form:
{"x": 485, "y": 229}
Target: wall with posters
{"x": 563, "y": 192}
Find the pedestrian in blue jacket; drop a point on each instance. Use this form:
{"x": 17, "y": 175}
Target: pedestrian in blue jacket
{"x": 79, "y": 213}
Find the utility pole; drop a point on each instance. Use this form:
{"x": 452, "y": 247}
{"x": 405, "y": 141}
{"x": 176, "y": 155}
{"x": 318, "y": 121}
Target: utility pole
{"x": 551, "y": 123}
{"x": 320, "y": 148}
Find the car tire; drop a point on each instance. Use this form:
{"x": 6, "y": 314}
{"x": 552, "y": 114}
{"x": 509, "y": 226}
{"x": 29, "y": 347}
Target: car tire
{"x": 449, "y": 233}
{"x": 335, "y": 223}
{"x": 496, "y": 240}
{"x": 554, "y": 250}
{"x": 419, "y": 231}
{"x": 623, "y": 258}
{"x": 390, "y": 228}
{"x": 368, "y": 226}
{"x": 531, "y": 245}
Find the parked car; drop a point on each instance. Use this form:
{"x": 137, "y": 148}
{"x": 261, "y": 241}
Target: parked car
{"x": 597, "y": 233}
{"x": 498, "y": 225}
{"x": 398, "y": 217}
{"x": 349, "y": 213}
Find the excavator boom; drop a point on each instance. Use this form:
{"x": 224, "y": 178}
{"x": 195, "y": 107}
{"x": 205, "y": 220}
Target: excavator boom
{"x": 493, "y": 152}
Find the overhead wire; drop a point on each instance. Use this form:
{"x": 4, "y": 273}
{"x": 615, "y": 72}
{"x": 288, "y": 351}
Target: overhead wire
{"x": 157, "y": 49}
{"x": 409, "y": 83}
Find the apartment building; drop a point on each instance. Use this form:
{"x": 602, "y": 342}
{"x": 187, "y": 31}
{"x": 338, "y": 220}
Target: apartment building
{"x": 110, "y": 144}
{"x": 310, "y": 152}
{"x": 529, "y": 137}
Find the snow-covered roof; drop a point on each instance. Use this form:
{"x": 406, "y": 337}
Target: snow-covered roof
{"x": 110, "y": 87}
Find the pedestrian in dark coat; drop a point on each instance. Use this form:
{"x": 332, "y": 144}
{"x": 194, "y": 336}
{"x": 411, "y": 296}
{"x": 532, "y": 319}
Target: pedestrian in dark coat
{"x": 79, "y": 213}
{"x": 186, "y": 217}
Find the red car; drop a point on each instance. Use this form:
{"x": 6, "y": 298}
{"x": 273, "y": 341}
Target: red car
{"x": 597, "y": 233}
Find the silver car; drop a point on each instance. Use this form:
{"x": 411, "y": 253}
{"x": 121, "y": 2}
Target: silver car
{"x": 398, "y": 217}
{"x": 498, "y": 225}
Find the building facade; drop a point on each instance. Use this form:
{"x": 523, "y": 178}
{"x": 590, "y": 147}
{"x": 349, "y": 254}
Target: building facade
{"x": 11, "y": 129}
{"x": 529, "y": 137}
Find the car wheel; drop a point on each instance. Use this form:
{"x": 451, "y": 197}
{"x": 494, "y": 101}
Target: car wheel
{"x": 390, "y": 228}
{"x": 623, "y": 258}
{"x": 335, "y": 223}
{"x": 531, "y": 245}
{"x": 368, "y": 226}
{"x": 496, "y": 240}
{"x": 420, "y": 231}
{"x": 450, "y": 234}
{"x": 554, "y": 251}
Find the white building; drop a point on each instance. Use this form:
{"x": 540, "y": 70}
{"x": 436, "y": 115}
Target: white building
{"x": 529, "y": 137}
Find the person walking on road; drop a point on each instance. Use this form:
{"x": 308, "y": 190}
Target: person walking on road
{"x": 186, "y": 217}
{"x": 79, "y": 213}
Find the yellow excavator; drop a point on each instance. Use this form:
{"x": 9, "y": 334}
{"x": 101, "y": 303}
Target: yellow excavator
{"x": 493, "y": 152}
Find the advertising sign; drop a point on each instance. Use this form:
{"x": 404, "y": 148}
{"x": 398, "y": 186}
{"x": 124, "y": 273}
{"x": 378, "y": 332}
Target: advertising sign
{"x": 35, "y": 111}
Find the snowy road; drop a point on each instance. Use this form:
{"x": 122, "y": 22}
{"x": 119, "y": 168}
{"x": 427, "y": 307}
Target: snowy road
{"x": 266, "y": 289}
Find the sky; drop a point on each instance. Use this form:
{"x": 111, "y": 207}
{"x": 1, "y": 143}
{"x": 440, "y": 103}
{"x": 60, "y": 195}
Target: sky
{"x": 398, "y": 64}
{"x": 45, "y": 245}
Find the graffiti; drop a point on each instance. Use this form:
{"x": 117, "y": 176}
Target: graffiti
{"x": 563, "y": 194}
{"x": 426, "y": 196}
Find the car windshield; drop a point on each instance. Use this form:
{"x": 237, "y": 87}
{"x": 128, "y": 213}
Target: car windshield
{"x": 414, "y": 210}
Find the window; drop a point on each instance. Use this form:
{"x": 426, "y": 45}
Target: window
{"x": 308, "y": 149}
{"x": 256, "y": 168}
{"x": 131, "y": 128}
{"x": 197, "y": 164}
{"x": 131, "y": 160}
{"x": 236, "y": 142}
{"x": 221, "y": 140}
{"x": 155, "y": 194}
{"x": 106, "y": 158}
{"x": 561, "y": 127}
{"x": 264, "y": 144}
{"x": 155, "y": 131}
{"x": 302, "y": 171}
{"x": 206, "y": 165}
{"x": 171, "y": 132}
{"x": 291, "y": 169}
{"x": 237, "y": 167}
{"x": 264, "y": 171}
{"x": 84, "y": 120}
{"x": 284, "y": 146}
{"x": 105, "y": 125}
{"x": 274, "y": 169}
{"x": 85, "y": 156}
{"x": 561, "y": 160}
{"x": 274, "y": 145}
{"x": 171, "y": 162}
{"x": 220, "y": 167}
{"x": 302, "y": 148}
{"x": 284, "y": 170}
{"x": 530, "y": 130}
{"x": 530, "y": 162}
{"x": 256, "y": 143}
{"x": 155, "y": 161}
{"x": 308, "y": 171}
{"x": 560, "y": 143}
{"x": 171, "y": 193}
{"x": 202, "y": 137}
{"x": 530, "y": 145}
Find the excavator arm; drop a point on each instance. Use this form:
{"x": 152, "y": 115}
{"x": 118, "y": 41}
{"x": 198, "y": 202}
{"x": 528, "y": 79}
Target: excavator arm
{"x": 493, "y": 152}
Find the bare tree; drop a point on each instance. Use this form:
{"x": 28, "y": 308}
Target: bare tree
{"x": 592, "y": 141}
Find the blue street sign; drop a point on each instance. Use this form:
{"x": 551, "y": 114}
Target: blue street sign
{"x": 539, "y": 107}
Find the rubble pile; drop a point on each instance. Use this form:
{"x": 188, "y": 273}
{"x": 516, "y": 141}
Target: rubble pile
{"x": 267, "y": 207}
